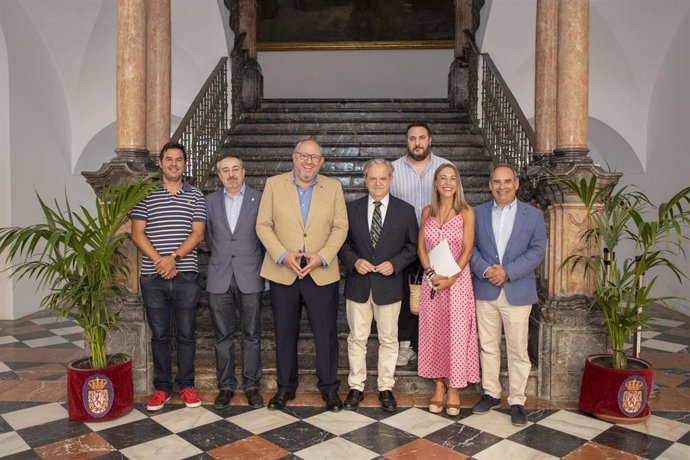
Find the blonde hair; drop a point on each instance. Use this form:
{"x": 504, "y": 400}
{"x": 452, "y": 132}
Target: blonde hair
{"x": 459, "y": 203}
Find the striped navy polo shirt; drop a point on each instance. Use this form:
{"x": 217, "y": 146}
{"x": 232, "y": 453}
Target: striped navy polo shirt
{"x": 169, "y": 222}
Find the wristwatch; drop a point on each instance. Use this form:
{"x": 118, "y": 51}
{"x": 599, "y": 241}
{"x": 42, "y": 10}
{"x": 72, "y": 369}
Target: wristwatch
{"x": 176, "y": 256}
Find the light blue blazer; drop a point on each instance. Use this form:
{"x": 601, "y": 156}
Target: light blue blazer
{"x": 524, "y": 252}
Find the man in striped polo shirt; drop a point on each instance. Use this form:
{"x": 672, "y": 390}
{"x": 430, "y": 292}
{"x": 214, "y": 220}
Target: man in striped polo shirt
{"x": 413, "y": 182}
{"x": 167, "y": 227}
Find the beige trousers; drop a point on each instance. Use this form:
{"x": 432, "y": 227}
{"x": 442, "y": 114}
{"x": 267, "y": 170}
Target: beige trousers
{"x": 491, "y": 315}
{"x": 359, "y": 316}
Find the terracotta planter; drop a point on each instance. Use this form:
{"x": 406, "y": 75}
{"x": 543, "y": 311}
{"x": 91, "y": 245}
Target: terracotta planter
{"x": 96, "y": 395}
{"x": 616, "y": 395}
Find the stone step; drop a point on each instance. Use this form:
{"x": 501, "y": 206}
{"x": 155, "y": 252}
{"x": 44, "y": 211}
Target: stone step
{"x": 349, "y": 138}
{"x": 305, "y": 128}
{"x": 356, "y": 115}
{"x": 360, "y": 104}
{"x": 392, "y": 151}
{"x": 407, "y": 380}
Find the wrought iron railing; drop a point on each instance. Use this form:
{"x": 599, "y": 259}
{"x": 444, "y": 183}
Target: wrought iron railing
{"x": 204, "y": 127}
{"x": 495, "y": 111}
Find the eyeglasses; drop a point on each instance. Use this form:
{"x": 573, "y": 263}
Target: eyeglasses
{"x": 307, "y": 156}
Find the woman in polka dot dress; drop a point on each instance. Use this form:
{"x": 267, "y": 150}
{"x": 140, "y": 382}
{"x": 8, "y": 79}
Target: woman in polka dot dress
{"x": 448, "y": 350}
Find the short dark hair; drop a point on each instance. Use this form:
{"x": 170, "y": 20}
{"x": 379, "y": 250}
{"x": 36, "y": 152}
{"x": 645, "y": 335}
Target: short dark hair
{"x": 420, "y": 125}
{"x": 504, "y": 165}
{"x": 172, "y": 145}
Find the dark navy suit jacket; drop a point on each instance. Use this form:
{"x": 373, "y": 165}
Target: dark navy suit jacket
{"x": 397, "y": 244}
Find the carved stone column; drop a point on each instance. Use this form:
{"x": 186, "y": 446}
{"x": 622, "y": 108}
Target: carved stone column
{"x": 131, "y": 77}
{"x": 458, "y": 74}
{"x": 131, "y": 161}
{"x": 157, "y": 75}
{"x": 463, "y": 20}
{"x": 247, "y": 80}
{"x": 545, "y": 80}
{"x": 566, "y": 332}
{"x": 573, "y": 78}
{"x": 248, "y": 26}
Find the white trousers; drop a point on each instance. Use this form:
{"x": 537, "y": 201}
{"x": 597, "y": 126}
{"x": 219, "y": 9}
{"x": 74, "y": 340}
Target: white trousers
{"x": 359, "y": 317}
{"x": 491, "y": 316}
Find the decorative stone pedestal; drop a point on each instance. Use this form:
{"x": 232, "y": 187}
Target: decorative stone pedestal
{"x": 563, "y": 331}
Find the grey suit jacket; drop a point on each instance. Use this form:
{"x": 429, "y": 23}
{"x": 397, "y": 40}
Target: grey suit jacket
{"x": 237, "y": 253}
{"x": 523, "y": 254}
{"x": 397, "y": 244}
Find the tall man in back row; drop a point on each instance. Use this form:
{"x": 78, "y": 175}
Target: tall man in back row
{"x": 302, "y": 223}
{"x": 509, "y": 244}
{"x": 413, "y": 183}
{"x": 233, "y": 281}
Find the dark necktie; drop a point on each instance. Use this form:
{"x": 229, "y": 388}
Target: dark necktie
{"x": 376, "y": 223}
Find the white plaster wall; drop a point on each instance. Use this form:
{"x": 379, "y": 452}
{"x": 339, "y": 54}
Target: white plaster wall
{"x": 668, "y": 138}
{"x": 5, "y": 174}
{"x": 57, "y": 94}
{"x": 39, "y": 133}
{"x": 356, "y": 74}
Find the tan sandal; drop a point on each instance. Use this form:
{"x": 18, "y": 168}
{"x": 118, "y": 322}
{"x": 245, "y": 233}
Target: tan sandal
{"x": 453, "y": 409}
{"x": 435, "y": 405}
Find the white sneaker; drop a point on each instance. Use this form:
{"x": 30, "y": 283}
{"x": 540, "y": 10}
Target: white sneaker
{"x": 405, "y": 355}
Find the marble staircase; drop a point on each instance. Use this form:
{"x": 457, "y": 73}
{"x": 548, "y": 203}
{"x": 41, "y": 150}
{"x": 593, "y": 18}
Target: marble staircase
{"x": 350, "y": 132}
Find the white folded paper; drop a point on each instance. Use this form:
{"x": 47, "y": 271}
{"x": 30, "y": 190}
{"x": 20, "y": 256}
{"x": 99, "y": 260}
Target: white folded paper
{"x": 442, "y": 260}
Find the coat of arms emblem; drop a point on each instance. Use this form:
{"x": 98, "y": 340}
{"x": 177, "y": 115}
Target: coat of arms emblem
{"x": 632, "y": 396}
{"x": 98, "y": 395}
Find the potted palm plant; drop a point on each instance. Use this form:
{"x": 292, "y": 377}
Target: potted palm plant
{"x": 76, "y": 256}
{"x": 624, "y": 221}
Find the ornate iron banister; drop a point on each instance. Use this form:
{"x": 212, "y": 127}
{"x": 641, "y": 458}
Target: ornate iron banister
{"x": 204, "y": 127}
{"x": 495, "y": 111}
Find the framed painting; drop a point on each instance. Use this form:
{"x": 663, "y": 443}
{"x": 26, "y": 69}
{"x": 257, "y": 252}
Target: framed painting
{"x": 354, "y": 24}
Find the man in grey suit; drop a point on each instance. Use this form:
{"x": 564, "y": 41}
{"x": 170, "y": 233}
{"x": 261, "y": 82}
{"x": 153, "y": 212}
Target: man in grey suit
{"x": 233, "y": 280}
{"x": 381, "y": 243}
{"x": 509, "y": 244}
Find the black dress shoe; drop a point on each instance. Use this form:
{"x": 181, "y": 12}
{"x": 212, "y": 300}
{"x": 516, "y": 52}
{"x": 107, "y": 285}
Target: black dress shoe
{"x": 278, "y": 401}
{"x": 333, "y": 402}
{"x": 223, "y": 399}
{"x": 354, "y": 397}
{"x": 254, "y": 398}
{"x": 388, "y": 402}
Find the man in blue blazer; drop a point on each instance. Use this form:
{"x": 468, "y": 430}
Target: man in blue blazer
{"x": 381, "y": 242}
{"x": 509, "y": 244}
{"x": 234, "y": 281}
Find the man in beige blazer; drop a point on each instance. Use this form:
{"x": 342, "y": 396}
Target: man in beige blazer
{"x": 302, "y": 223}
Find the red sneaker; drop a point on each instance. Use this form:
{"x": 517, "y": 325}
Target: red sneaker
{"x": 158, "y": 400}
{"x": 190, "y": 398}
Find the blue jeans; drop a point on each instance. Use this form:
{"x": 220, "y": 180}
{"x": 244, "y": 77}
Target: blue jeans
{"x": 223, "y": 308}
{"x": 171, "y": 303}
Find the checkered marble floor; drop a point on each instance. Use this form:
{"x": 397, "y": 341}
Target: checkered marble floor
{"x": 34, "y": 352}
{"x": 40, "y": 430}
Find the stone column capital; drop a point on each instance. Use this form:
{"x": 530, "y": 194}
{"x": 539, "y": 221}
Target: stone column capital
{"x": 543, "y": 178}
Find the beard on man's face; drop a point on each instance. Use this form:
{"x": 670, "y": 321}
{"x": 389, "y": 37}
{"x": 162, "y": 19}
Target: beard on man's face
{"x": 419, "y": 154}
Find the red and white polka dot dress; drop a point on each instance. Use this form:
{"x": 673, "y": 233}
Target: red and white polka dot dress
{"x": 448, "y": 345}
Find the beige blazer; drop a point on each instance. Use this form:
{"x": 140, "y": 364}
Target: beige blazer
{"x": 279, "y": 227}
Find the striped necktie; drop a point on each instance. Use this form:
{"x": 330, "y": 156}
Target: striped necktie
{"x": 376, "y": 224}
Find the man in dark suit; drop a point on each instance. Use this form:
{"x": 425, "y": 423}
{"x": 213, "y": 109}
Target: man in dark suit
{"x": 381, "y": 242}
{"x": 509, "y": 244}
{"x": 302, "y": 223}
{"x": 233, "y": 280}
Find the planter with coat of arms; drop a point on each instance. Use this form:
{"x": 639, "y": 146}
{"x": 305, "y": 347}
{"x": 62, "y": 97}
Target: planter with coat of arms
{"x": 616, "y": 395}
{"x": 96, "y": 395}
